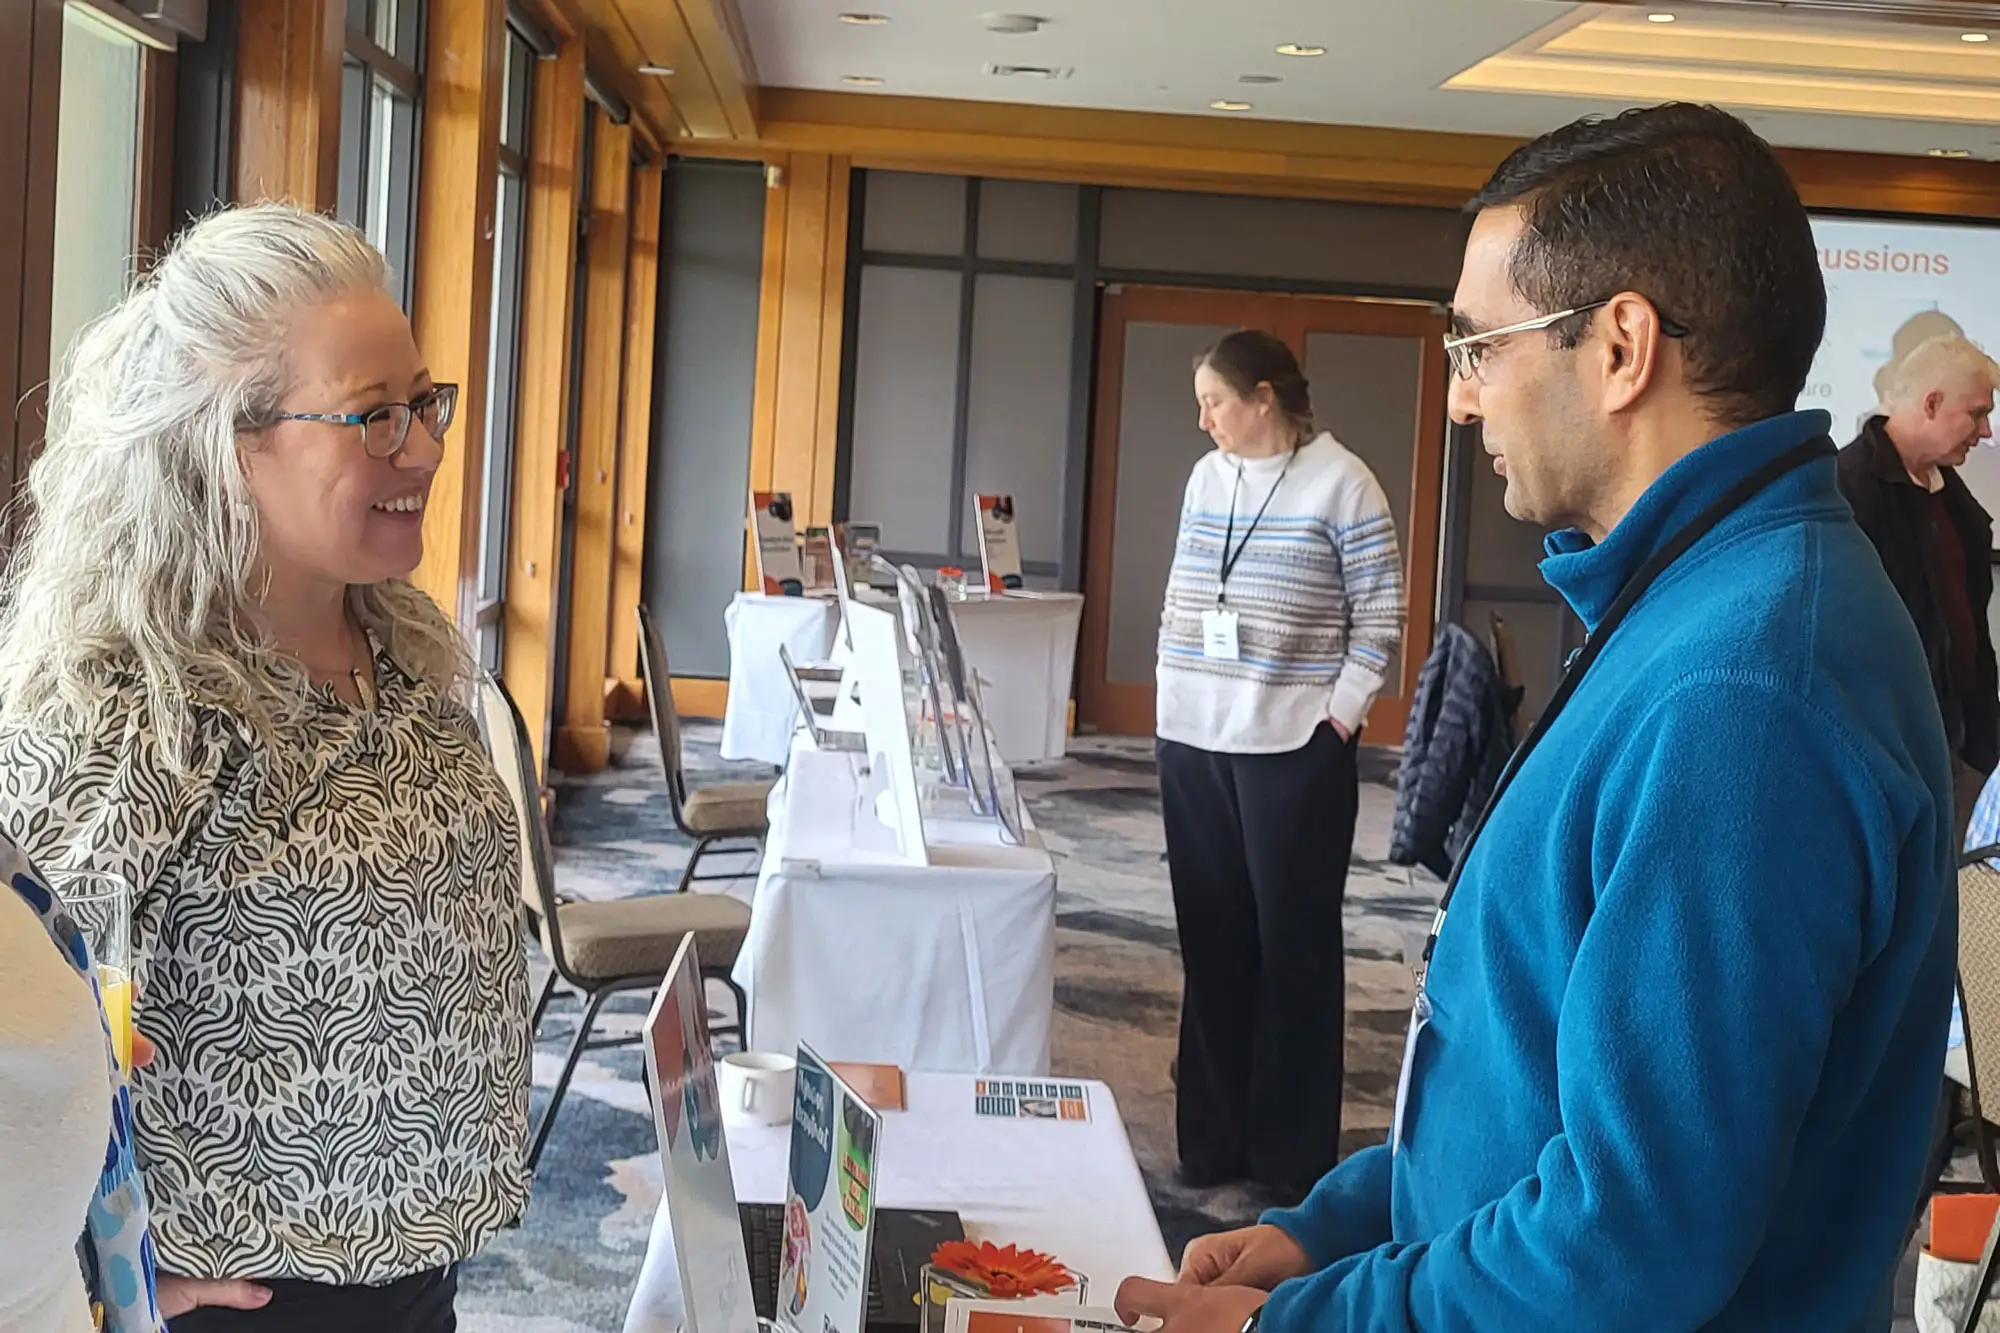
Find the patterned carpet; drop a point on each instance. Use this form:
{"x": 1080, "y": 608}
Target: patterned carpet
{"x": 573, "y": 1261}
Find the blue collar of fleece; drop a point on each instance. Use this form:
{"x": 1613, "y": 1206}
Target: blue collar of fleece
{"x": 1590, "y": 575}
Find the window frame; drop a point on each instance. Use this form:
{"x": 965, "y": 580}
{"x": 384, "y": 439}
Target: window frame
{"x": 381, "y": 112}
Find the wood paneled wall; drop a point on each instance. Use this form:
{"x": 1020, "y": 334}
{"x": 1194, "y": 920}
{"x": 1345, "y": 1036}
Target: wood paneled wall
{"x": 583, "y": 743}
{"x": 458, "y": 186}
{"x": 31, "y": 34}
{"x": 288, "y": 100}
{"x": 624, "y": 693}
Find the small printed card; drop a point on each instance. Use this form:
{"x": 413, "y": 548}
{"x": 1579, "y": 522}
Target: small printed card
{"x": 1031, "y": 1099}
{"x": 1030, "y": 1316}
{"x": 881, "y": 1086}
{"x": 999, "y": 548}
{"x": 777, "y": 543}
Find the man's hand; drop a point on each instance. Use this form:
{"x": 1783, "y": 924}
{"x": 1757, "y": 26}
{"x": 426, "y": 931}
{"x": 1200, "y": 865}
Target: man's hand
{"x": 1260, "y": 1257}
{"x": 1184, "y": 1308}
{"x": 178, "y": 1295}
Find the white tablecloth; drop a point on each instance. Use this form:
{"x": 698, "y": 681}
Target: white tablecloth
{"x": 1071, "y": 1190}
{"x": 949, "y": 966}
{"x": 758, "y": 720}
{"x": 1024, "y": 650}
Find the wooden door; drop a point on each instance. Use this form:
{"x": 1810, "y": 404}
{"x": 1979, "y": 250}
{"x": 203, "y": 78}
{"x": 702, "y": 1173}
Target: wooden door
{"x": 1378, "y": 376}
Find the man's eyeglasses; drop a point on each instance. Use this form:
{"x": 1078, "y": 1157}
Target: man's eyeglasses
{"x": 1466, "y": 352}
{"x": 385, "y": 429}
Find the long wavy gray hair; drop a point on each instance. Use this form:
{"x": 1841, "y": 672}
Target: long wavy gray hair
{"x": 140, "y": 540}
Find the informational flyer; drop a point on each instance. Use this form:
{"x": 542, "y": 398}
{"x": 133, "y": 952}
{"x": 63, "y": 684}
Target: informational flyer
{"x": 999, "y": 546}
{"x": 777, "y": 543}
{"x": 1030, "y": 1316}
{"x": 701, "y": 1194}
{"x": 1031, "y": 1099}
{"x": 830, "y": 1208}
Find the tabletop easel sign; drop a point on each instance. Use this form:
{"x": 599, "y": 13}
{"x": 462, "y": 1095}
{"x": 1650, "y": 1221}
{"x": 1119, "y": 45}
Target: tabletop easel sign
{"x": 777, "y": 542}
{"x": 999, "y": 546}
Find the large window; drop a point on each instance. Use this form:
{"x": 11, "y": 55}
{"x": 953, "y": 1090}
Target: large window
{"x": 510, "y": 226}
{"x": 381, "y": 81}
{"x": 97, "y": 171}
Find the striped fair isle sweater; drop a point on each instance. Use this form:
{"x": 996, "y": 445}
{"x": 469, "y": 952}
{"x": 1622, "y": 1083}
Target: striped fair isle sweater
{"x": 1318, "y": 593}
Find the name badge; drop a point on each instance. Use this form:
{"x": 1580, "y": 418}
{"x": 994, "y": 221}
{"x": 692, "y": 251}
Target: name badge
{"x": 1218, "y": 635}
{"x": 1420, "y": 1017}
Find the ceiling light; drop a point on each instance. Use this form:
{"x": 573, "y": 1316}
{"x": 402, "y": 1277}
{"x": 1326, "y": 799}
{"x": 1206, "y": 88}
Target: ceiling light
{"x": 658, "y": 71}
{"x": 1949, "y": 152}
{"x": 1029, "y": 71}
{"x": 1014, "y": 25}
{"x": 1972, "y": 37}
{"x": 865, "y": 20}
{"x": 1300, "y": 49}
{"x": 1224, "y": 104}
{"x": 1258, "y": 79}
{"x": 1659, "y": 18}
{"x": 861, "y": 81}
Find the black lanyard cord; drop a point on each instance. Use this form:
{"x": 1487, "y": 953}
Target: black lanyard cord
{"x": 1628, "y": 596}
{"x": 1229, "y": 533}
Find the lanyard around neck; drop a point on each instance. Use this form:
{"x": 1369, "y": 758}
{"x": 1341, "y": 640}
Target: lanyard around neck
{"x": 1229, "y": 533}
{"x": 1593, "y": 646}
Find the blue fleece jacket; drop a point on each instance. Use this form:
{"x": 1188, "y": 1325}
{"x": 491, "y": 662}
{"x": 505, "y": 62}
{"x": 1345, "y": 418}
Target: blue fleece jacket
{"x": 1690, "y": 1001}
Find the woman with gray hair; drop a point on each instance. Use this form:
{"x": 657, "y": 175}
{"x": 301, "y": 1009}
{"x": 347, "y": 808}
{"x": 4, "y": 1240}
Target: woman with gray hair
{"x": 217, "y": 683}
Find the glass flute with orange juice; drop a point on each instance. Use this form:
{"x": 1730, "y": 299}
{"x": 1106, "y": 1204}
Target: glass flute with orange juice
{"x": 101, "y": 905}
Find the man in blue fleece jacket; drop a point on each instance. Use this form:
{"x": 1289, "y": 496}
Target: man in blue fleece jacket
{"x": 1686, "y": 1010}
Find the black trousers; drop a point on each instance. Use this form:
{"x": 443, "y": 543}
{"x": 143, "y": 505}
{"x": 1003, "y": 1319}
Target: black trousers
{"x": 421, "y": 1303}
{"x": 1257, "y": 845}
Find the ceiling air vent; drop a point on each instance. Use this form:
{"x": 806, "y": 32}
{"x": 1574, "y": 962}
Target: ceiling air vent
{"x": 1030, "y": 71}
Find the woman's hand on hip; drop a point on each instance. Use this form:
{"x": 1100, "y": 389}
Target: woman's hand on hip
{"x": 1340, "y": 730}
{"x": 178, "y": 1295}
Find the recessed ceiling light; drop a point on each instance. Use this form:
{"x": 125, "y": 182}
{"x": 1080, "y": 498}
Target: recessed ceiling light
{"x": 1013, "y": 25}
{"x": 1973, "y": 37}
{"x": 1660, "y": 18}
{"x": 1949, "y": 152}
{"x": 865, "y": 20}
{"x": 861, "y": 81}
{"x": 1224, "y": 104}
{"x": 1258, "y": 79}
{"x": 1300, "y": 49}
{"x": 658, "y": 71}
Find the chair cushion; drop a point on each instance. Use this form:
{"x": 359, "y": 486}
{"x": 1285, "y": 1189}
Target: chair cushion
{"x": 728, "y": 807}
{"x": 638, "y": 936}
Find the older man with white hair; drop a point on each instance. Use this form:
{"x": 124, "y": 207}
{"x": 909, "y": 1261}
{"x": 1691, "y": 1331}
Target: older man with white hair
{"x": 1934, "y": 538}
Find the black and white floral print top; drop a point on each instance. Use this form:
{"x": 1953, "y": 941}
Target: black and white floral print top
{"x": 328, "y": 961}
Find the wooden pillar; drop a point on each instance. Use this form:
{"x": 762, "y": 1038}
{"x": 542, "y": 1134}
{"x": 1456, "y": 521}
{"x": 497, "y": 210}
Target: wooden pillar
{"x": 624, "y": 691}
{"x": 535, "y": 529}
{"x": 795, "y": 412}
{"x": 583, "y": 743}
{"x": 31, "y": 34}
{"x": 459, "y": 182}
{"x": 288, "y": 100}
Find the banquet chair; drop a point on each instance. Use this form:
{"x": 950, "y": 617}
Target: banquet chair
{"x": 721, "y": 812}
{"x": 1979, "y": 1002}
{"x": 599, "y": 949}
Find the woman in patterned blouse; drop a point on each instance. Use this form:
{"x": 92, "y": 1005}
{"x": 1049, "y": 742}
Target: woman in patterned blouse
{"x": 216, "y": 682}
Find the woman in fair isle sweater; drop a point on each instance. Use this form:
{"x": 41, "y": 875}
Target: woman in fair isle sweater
{"x": 1283, "y": 613}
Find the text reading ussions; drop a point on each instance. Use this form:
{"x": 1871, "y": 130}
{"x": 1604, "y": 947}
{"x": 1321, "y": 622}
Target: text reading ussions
{"x": 1884, "y": 260}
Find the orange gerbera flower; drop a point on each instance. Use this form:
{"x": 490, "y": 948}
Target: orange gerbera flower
{"x": 1007, "y": 1274}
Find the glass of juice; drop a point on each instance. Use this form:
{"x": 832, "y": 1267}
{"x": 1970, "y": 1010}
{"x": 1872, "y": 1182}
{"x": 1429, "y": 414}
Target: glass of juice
{"x": 101, "y": 905}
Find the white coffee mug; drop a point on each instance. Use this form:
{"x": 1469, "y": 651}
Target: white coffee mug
{"x": 757, "y": 1087}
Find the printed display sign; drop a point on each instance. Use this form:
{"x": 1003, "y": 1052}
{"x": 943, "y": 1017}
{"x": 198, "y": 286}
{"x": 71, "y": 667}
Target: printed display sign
{"x": 999, "y": 545}
{"x": 830, "y": 1211}
{"x": 777, "y": 543}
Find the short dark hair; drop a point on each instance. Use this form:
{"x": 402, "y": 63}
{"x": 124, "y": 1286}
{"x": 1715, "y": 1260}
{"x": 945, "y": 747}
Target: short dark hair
{"x": 1250, "y": 357}
{"x": 1685, "y": 205}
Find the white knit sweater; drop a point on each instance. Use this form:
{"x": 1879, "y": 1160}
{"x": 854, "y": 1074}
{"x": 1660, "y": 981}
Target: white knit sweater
{"x": 1318, "y": 593}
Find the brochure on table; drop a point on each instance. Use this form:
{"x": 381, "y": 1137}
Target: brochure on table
{"x": 999, "y": 545}
{"x": 777, "y": 543}
{"x": 829, "y": 1204}
{"x": 817, "y": 556}
{"x": 700, "y": 1191}
{"x": 1047, "y": 1314}
{"x": 879, "y": 672}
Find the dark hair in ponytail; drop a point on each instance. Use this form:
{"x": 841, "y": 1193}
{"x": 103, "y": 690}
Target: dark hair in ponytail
{"x": 1250, "y": 357}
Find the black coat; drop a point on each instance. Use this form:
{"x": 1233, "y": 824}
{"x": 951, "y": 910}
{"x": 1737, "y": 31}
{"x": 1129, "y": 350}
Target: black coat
{"x": 1460, "y": 733}
{"x": 1891, "y": 509}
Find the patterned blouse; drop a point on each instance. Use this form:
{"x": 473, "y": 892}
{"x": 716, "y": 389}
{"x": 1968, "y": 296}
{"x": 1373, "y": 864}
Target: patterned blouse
{"x": 328, "y": 961}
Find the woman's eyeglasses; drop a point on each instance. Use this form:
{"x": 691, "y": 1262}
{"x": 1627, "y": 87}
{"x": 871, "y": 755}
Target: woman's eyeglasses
{"x": 385, "y": 429}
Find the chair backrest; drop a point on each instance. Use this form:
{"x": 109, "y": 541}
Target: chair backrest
{"x": 660, "y": 698}
{"x": 514, "y": 759}
{"x": 1979, "y": 966}
{"x": 1505, "y": 658}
